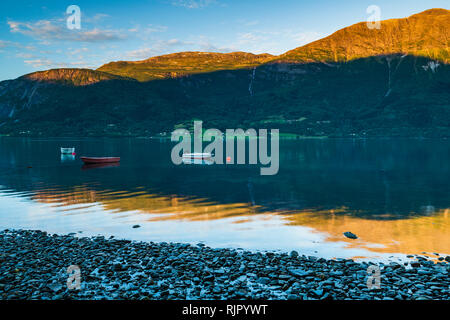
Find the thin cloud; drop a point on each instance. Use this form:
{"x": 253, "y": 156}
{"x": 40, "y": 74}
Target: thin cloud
{"x": 47, "y": 30}
{"x": 252, "y": 23}
{"x": 10, "y": 44}
{"x": 140, "y": 54}
{"x": 153, "y": 29}
{"x": 274, "y": 42}
{"x": 193, "y": 4}
{"x": 4, "y": 44}
{"x": 37, "y": 63}
{"x": 247, "y": 23}
{"x": 47, "y": 63}
{"x": 100, "y": 16}
{"x": 161, "y": 47}
{"x": 25, "y": 55}
{"x": 250, "y": 37}
{"x": 306, "y": 37}
{"x": 77, "y": 51}
{"x": 158, "y": 48}
{"x": 148, "y": 29}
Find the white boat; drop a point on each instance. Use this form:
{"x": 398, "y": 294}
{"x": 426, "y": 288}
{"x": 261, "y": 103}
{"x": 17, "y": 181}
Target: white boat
{"x": 67, "y": 150}
{"x": 197, "y": 161}
{"x": 197, "y": 155}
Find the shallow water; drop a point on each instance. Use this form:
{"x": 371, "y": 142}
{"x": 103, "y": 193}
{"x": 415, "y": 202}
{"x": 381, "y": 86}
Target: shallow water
{"x": 393, "y": 193}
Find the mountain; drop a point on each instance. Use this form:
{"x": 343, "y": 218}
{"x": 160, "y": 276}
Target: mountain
{"x": 75, "y": 77}
{"x": 184, "y": 63}
{"x": 426, "y": 34}
{"x": 357, "y": 82}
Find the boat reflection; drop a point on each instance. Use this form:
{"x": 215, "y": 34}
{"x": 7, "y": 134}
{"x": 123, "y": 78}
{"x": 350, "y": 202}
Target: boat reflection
{"x": 204, "y": 161}
{"x": 67, "y": 157}
{"x": 100, "y": 165}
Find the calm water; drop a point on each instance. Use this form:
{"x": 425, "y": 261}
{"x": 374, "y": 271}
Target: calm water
{"x": 394, "y": 194}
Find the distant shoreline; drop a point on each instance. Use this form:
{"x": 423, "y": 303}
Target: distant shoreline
{"x": 281, "y": 137}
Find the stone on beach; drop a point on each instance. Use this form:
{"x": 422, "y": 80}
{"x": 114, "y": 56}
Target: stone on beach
{"x": 350, "y": 235}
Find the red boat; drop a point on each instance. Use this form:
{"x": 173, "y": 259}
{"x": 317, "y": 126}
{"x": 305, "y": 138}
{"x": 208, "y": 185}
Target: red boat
{"x": 90, "y": 160}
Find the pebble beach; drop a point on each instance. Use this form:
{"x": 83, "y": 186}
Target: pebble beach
{"x": 33, "y": 265}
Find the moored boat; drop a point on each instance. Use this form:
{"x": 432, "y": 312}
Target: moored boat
{"x": 89, "y": 160}
{"x": 67, "y": 150}
{"x": 198, "y": 155}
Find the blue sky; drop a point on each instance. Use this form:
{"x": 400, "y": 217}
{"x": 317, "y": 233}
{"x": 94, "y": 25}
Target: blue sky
{"x": 34, "y": 34}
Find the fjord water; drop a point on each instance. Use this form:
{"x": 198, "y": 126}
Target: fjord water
{"x": 394, "y": 194}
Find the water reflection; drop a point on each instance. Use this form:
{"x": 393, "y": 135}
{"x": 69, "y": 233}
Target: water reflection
{"x": 197, "y": 161}
{"x": 100, "y": 165}
{"x": 67, "y": 157}
{"x": 393, "y": 194}
{"x": 414, "y": 235}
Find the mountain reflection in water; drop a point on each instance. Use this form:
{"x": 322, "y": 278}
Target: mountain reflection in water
{"x": 393, "y": 194}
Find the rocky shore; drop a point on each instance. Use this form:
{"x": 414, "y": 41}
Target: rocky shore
{"x": 33, "y": 265}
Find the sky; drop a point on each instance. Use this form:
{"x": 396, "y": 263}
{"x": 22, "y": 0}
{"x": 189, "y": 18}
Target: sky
{"x": 34, "y": 34}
